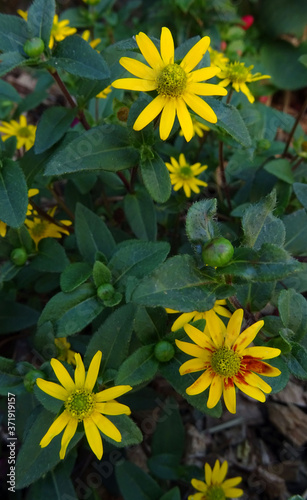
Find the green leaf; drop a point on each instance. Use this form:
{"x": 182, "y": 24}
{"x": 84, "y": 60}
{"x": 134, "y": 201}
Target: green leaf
{"x": 77, "y": 57}
{"x": 33, "y": 461}
{"x": 150, "y": 324}
{"x": 140, "y": 367}
{"x": 9, "y": 61}
{"x": 113, "y": 338}
{"x": 300, "y": 190}
{"x": 169, "y": 435}
{"x": 230, "y": 121}
{"x": 13, "y": 194}
{"x": 101, "y": 274}
{"x": 14, "y": 32}
{"x": 173, "y": 494}
{"x": 102, "y": 148}
{"x": 8, "y": 92}
{"x": 15, "y": 316}
{"x": 92, "y": 235}
{"x": 48, "y": 402}
{"x": 260, "y": 226}
{"x": 134, "y": 483}
{"x": 137, "y": 258}
{"x": 292, "y": 308}
{"x": 200, "y": 224}
{"x": 165, "y": 466}
{"x": 156, "y": 178}
{"x": 254, "y": 296}
{"x": 71, "y": 312}
{"x": 141, "y": 215}
{"x": 297, "y": 361}
{"x": 51, "y": 127}
{"x": 278, "y": 383}
{"x": 280, "y": 60}
{"x": 277, "y": 18}
{"x": 74, "y": 275}
{"x": 296, "y": 235}
{"x": 40, "y": 19}
{"x": 51, "y": 257}
{"x": 303, "y": 60}
{"x": 281, "y": 169}
{"x": 131, "y": 434}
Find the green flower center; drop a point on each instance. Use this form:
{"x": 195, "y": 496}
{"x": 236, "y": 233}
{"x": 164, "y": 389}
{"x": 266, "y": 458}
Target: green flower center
{"x": 39, "y": 229}
{"x": 80, "y": 404}
{"x": 172, "y": 81}
{"x": 24, "y": 132}
{"x": 237, "y": 72}
{"x": 215, "y": 493}
{"x": 186, "y": 172}
{"x": 225, "y": 362}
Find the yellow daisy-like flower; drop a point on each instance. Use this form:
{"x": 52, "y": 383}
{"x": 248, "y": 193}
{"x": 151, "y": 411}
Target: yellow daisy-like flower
{"x": 195, "y": 315}
{"x": 81, "y": 404}
{"x": 40, "y": 228}
{"x": 184, "y": 175}
{"x": 60, "y": 30}
{"x": 93, "y": 43}
{"x": 217, "y": 59}
{"x": 239, "y": 75}
{"x": 176, "y": 84}
{"x": 198, "y": 128}
{"x": 227, "y": 361}
{"x": 105, "y": 92}
{"x": 3, "y": 226}
{"x": 24, "y": 133}
{"x": 65, "y": 353}
{"x": 215, "y": 486}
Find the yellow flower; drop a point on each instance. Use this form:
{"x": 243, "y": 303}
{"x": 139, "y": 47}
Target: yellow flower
{"x": 60, "y": 30}
{"x": 238, "y": 75}
{"x": 105, "y": 92}
{"x": 65, "y": 353}
{"x": 198, "y": 128}
{"x": 3, "y": 226}
{"x": 176, "y": 84}
{"x": 226, "y": 360}
{"x": 40, "y": 228}
{"x": 217, "y": 59}
{"x": 184, "y": 175}
{"x": 81, "y": 404}
{"x": 23, "y": 14}
{"x": 215, "y": 487}
{"x": 195, "y": 315}
{"x": 86, "y": 36}
{"x": 25, "y": 133}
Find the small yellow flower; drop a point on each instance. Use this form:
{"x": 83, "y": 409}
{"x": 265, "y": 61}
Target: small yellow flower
{"x": 217, "y": 59}
{"x": 215, "y": 487}
{"x": 40, "y": 228}
{"x": 23, "y": 14}
{"x": 184, "y": 175}
{"x": 176, "y": 84}
{"x": 24, "y": 133}
{"x": 105, "y": 92}
{"x": 198, "y": 128}
{"x": 3, "y": 226}
{"x": 81, "y": 404}
{"x": 65, "y": 353}
{"x": 223, "y": 355}
{"x": 195, "y": 315}
{"x": 93, "y": 43}
{"x": 239, "y": 75}
{"x": 60, "y": 30}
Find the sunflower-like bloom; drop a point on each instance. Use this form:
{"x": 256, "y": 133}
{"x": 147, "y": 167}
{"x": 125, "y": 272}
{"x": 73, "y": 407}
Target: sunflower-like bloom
{"x": 40, "y": 228}
{"x": 215, "y": 487}
{"x": 24, "y": 133}
{"x": 60, "y": 30}
{"x": 239, "y": 75}
{"x": 198, "y": 128}
{"x": 3, "y": 226}
{"x": 217, "y": 59}
{"x": 184, "y": 176}
{"x": 227, "y": 361}
{"x": 105, "y": 92}
{"x": 195, "y": 315}
{"x": 65, "y": 353}
{"x": 81, "y": 404}
{"x": 176, "y": 84}
{"x": 93, "y": 43}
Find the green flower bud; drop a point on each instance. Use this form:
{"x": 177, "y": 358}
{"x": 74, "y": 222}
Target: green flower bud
{"x": 217, "y": 252}
{"x": 106, "y": 291}
{"x": 30, "y": 379}
{"x": 34, "y": 47}
{"x": 19, "y": 256}
{"x": 164, "y": 351}
{"x": 263, "y": 144}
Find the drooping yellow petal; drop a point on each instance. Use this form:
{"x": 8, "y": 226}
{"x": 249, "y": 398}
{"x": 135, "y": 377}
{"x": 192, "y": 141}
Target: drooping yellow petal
{"x": 150, "y": 112}
{"x": 93, "y": 437}
{"x": 167, "y": 48}
{"x": 62, "y": 375}
{"x": 55, "y": 429}
{"x": 201, "y": 384}
{"x": 167, "y": 118}
{"x": 200, "y": 107}
{"x": 192, "y": 365}
{"x": 137, "y": 68}
{"x": 244, "y": 88}
{"x": 185, "y": 120}
{"x": 256, "y": 381}
{"x": 253, "y": 392}
{"x": 229, "y": 393}
{"x": 68, "y": 435}
{"x": 234, "y": 327}
{"x": 106, "y": 427}
{"x": 195, "y": 54}
{"x": 93, "y": 371}
{"x": 54, "y": 390}
{"x": 215, "y": 391}
{"x": 112, "y": 393}
{"x": 247, "y": 336}
{"x": 149, "y": 51}
{"x": 79, "y": 372}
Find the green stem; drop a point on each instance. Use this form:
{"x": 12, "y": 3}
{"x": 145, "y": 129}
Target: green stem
{"x": 222, "y": 167}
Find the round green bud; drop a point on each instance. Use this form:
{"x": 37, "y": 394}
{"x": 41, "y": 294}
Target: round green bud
{"x": 19, "y": 256}
{"x": 263, "y": 144}
{"x": 217, "y": 252}
{"x": 106, "y": 291}
{"x": 34, "y": 47}
{"x": 164, "y": 351}
{"x": 30, "y": 379}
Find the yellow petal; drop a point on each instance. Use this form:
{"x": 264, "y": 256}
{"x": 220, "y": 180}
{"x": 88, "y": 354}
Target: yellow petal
{"x": 200, "y": 75}
{"x": 185, "y": 120}
{"x": 200, "y": 107}
{"x": 167, "y": 118}
{"x": 208, "y": 474}
{"x": 93, "y": 437}
{"x": 223, "y": 472}
{"x": 215, "y": 392}
{"x": 244, "y": 88}
{"x": 262, "y": 352}
{"x": 215, "y": 472}
{"x": 182, "y": 320}
{"x": 229, "y": 393}
{"x": 149, "y": 51}
{"x": 192, "y": 349}
{"x": 216, "y": 328}
{"x": 256, "y": 381}
{"x": 253, "y": 392}
{"x": 62, "y": 375}
{"x": 113, "y": 408}
{"x": 93, "y": 371}
{"x": 167, "y": 46}
{"x": 135, "y": 84}
{"x": 193, "y": 365}
{"x": 150, "y": 112}
{"x": 222, "y": 311}
{"x": 234, "y": 492}
{"x": 107, "y": 427}
{"x": 206, "y": 89}
{"x": 112, "y": 393}
{"x": 247, "y": 336}
{"x": 195, "y": 54}
{"x": 199, "y": 485}
{"x": 138, "y": 68}
{"x": 230, "y": 483}
{"x": 68, "y": 435}
{"x": 79, "y": 372}
{"x": 55, "y": 429}
{"x": 201, "y": 384}
{"x": 234, "y": 327}
{"x": 199, "y": 337}
{"x": 54, "y": 390}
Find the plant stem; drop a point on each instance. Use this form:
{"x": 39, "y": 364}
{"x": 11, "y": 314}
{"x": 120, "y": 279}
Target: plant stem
{"x": 230, "y": 94}
{"x": 294, "y": 167}
{"x": 303, "y": 109}
{"x": 222, "y": 167}
{"x": 46, "y": 216}
{"x": 61, "y": 203}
